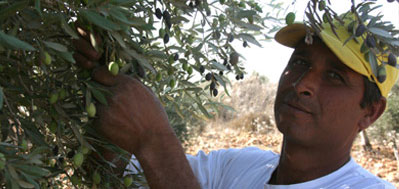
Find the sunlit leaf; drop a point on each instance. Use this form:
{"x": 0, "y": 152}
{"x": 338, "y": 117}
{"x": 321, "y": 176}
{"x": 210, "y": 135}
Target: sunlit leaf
{"x": 380, "y": 32}
{"x": 249, "y": 38}
{"x": 246, "y": 13}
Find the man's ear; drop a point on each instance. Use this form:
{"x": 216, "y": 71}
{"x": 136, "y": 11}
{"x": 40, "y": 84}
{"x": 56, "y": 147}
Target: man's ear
{"x": 372, "y": 113}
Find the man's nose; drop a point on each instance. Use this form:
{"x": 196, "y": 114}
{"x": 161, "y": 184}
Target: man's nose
{"x": 306, "y": 84}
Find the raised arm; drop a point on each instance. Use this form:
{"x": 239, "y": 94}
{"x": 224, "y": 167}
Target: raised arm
{"x": 136, "y": 121}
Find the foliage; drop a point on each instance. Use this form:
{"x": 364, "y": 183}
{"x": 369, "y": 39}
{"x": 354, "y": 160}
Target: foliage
{"x": 47, "y": 102}
{"x": 380, "y": 38}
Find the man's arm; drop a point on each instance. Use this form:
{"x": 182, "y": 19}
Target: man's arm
{"x": 136, "y": 121}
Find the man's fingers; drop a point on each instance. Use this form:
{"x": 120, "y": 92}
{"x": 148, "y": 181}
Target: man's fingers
{"x": 103, "y": 76}
{"x": 83, "y": 62}
{"x": 86, "y": 49}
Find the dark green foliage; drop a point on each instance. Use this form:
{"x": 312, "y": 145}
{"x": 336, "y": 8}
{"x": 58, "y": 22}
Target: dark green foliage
{"x": 360, "y": 30}
{"x": 48, "y": 103}
{"x": 381, "y": 39}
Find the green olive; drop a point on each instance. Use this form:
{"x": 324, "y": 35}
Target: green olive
{"x": 2, "y": 161}
{"x": 24, "y": 145}
{"x": 53, "y": 98}
{"x": 96, "y": 178}
{"x": 172, "y": 83}
{"x": 113, "y": 67}
{"x": 290, "y": 18}
{"x": 78, "y": 159}
{"x": 46, "y": 58}
{"x": 91, "y": 110}
{"x": 158, "y": 77}
{"x": 128, "y": 181}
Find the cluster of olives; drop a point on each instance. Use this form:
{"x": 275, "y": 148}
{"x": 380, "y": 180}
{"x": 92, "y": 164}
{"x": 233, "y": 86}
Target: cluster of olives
{"x": 167, "y": 19}
{"x": 212, "y": 86}
{"x": 371, "y": 43}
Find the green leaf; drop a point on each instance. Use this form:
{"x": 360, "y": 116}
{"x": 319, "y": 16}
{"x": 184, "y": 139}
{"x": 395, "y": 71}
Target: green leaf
{"x": 218, "y": 66}
{"x": 194, "y": 89}
{"x": 248, "y": 26}
{"x": 67, "y": 56}
{"x": 380, "y": 32}
{"x": 30, "y": 180}
{"x": 245, "y": 13}
{"x": 99, "y": 20}
{"x": 124, "y": 2}
{"x": 37, "y": 7}
{"x": 116, "y": 13}
{"x": 56, "y": 46}
{"x": 14, "y": 43}
{"x": 220, "y": 80}
{"x": 99, "y": 96}
{"x": 141, "y": 59}
{"x": 13, "y": 172}
{"x": 33, "y": 170}
{"x": 157, "y": 54}
{"x": 65, "y": 26}
{"x": 1, "y": 98}
{"x": 178, "y": 19}
{"x": 119, "y": 39}
{"x": 12, "y": 9}
{"x": 25, "y": 184}
{"x": 203, "y": 110}
{"x": 249, "y": 38}
{"x": 198, "y": 48}
{"x": 394, "y": 42}
{"x": 373, "y": 63}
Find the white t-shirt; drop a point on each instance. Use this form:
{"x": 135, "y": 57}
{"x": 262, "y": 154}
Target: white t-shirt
{"x": 252, "y": 168}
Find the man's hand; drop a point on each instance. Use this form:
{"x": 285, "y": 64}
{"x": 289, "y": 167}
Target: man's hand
{"x": 136, "y": 121}
{"x": 134, "y": 116}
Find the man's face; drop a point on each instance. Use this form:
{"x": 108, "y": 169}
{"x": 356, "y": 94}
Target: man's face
{"x": 318, "y": 99}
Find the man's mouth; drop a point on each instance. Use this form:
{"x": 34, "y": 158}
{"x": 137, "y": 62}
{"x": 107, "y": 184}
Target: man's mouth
{"x": 298, "y": 107}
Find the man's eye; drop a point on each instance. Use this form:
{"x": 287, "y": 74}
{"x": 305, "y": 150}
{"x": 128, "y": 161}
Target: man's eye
{"x": 299, "y": 62}
{"x": 336, "y": 76}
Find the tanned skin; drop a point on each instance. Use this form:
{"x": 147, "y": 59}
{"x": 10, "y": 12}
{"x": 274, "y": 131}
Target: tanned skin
{"x": 136, "y": 121}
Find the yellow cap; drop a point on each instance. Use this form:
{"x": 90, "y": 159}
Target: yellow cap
{"x": 349, "y": 53}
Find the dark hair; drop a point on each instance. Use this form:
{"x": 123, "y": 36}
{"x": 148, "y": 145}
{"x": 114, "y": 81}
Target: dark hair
{"x": 371, "y": 94}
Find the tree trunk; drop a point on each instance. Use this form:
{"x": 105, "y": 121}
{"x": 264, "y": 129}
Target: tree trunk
{"x": 365, "y": 141}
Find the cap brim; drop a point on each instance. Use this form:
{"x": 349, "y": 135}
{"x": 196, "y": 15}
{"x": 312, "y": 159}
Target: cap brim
{"x": 291, "y": 35}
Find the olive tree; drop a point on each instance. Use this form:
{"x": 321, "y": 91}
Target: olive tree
{"x": 181, "y": 49}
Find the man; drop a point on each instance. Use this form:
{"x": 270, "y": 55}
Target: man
{"x": 327, "y": 94}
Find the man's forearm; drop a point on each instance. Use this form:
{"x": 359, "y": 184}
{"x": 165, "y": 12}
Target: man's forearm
{"x": 165, "y": 164}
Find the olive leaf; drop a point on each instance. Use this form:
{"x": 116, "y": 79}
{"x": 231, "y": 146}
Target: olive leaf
{"x": 14, "y": 43}
{"x": 1, "y": 98}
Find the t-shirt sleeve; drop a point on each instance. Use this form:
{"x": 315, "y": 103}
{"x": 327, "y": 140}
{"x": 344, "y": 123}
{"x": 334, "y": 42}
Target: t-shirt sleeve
{"x": 208, "y": 168}
{"x": 214, "y": 168}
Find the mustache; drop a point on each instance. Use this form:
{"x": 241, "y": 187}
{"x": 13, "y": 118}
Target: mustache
{"x": 292, "y": 99}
